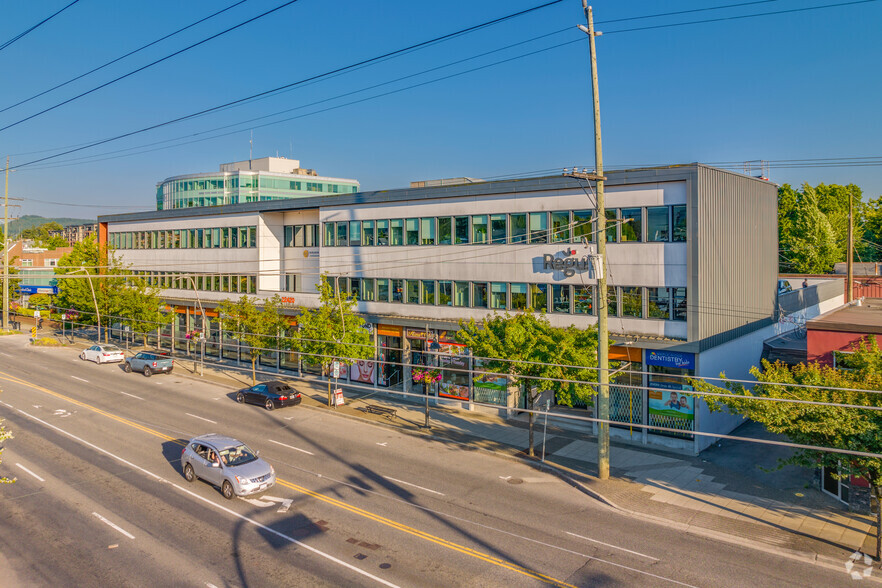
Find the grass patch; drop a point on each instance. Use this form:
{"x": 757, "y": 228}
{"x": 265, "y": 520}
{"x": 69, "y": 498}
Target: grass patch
{"x": 46, "y": 342}
{"x": 10, "y": 333}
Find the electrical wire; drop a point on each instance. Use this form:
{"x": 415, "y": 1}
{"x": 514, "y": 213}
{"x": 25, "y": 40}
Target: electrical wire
{"x": 6, "y": 44}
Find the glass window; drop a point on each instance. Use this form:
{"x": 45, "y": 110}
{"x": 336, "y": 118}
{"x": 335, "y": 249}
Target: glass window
{"x": 560, "y": 298}
{"x": 582, "y": 225}
{"x": 355, "y": 288}
{"x": 354, "y": 233}
{"x": 461, "y": 294}
{"x": 427, "y": 231}
{"x": 679, "y": 222}
{"x": 445, "y": 230}
{"x": 632, "y": 224}
{"x": 539, "y": 297}
{"x": 330, "y": 235}
{"x": 382, "y": 232}
{"x": 518, "y": 224}
{"x": 312, "y": 235}
{"x": 632, "y": 301}
{"x": 498, "y": 295}
{"x": 300, "y": 235}
{"x": 479, "y": 295}
{"x": 498, "y": 228}
{"x": 461, "y": 226}
{"x": 412, "y": 231}
{"x": 560, "y": 227}
{"x": 445, "y": 293}
{"x": 659, "y": 303}
{"x": 342, "y": 234}
{"x": 382, "y": 290}
{"x": 679, "y": 302}
{"x": 289, "y": 236}
{"x": 612, "y": 226}
{"x": 367, "y": 233}
{"x": 479, "y": 229}
{"x": 206, "y": 234}
{"x": 538, "y": 227}
{"x": 367, "y": 289}
{"x": 657, "y": 223}
{"x": 413, "y": 291}
{"x": 215, "y": 237}
{"x": 612, "y": 296}
{"x": 428, "y": 292}
{"x": 396, "y": 226}
{"x": 397, "y": 290}
{"x": 583, "y": 299}
{"x": 518, "y": 296}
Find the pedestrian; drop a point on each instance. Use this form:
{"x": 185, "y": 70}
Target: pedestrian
{"x": 40, "y": 323}
{"x": 805, "y": 283}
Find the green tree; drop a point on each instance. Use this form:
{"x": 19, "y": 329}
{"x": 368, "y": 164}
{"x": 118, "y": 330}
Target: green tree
{"x": 259, "y": 324}
{"x": 530, "y": 352}
{"x": 4, "y": 435}
{"x": 88, "y": 272}
{"x": 873, "y": 230}
{"x": 806, "y": 239}
{"x": 332, "y": 331}
{"x": 40, "y": 300}
{"x": 839, "y": 427}
{"x": 141, "y": 308}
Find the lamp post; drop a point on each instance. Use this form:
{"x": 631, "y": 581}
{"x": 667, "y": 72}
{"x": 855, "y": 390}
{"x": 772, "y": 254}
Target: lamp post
{"x": 94, "y": 300}
{"x": 202, "y": 332}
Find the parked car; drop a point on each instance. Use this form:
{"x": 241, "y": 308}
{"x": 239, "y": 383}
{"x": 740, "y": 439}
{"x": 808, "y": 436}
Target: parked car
{"x": 228, "y": 464}
{"x": 784, "y": 286}
{"x": 270, "y": 395}
{"x": 103, "y": 354}
{"x": 149, "y": 363}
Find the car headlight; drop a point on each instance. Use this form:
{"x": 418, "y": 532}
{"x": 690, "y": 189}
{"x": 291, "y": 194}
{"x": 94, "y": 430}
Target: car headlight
{"x": 272, "y": 470}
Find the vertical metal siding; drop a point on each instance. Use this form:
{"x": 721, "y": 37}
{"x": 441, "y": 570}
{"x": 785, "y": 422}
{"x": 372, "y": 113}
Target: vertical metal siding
{"x": 734, "y": 277}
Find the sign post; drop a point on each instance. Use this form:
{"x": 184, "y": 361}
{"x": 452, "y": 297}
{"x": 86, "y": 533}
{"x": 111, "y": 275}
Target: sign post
{"x": 545, "y": 432}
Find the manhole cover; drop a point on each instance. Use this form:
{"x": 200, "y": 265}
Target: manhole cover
{"x": 515, "y": 481}
{"x": 385, "y": 566}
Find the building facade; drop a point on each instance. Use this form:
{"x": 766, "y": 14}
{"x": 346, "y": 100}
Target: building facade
{"x": 254, "y": 180}
{"x": 692, "y": 268}
{"x": 35, "y": 267}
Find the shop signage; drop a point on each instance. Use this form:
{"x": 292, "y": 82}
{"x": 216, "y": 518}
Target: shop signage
{"x": 38, "y": 289}
{"x": 672, "y": 359}
{"x": 673, "y": 404}
{"x": 569, "y": 265}
{"x": 442, "y": 336}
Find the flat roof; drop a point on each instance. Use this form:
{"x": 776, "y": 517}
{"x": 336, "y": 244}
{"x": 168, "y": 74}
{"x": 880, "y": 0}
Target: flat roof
{"x": 866, "y": 318}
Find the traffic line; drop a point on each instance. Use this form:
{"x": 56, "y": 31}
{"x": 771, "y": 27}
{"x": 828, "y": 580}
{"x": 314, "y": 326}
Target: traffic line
{"x": 80, "y": 379}
{"x": 291, "y": 447}
{"x": 109, "y": 524}
{"x": 132, "y": 395}
{"x": 414, "y": 485}
{"x": 30, "y": 472}
{"x": 201, "y": 418}
{"x": 614, "y": 546}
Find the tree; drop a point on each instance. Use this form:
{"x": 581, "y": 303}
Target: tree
{"x": 873, "y": 228}
{"x": 259, "y": 327}
{"x": 88, "y": 272}
{"x": 839, "y": 427}
{"x": 4, "y": 435}
{"x": 40, "y": 300}
{"x": 332, "y": 331}
{"x": 806, "y": 239}
{"x": 141, "y": 307}
{"x": 530, "y": 352}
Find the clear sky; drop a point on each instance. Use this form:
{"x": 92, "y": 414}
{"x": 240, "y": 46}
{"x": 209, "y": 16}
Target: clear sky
{"x": 799, "y": 85}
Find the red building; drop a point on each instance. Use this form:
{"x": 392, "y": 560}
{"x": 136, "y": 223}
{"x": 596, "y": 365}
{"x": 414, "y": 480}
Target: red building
{"x": 835, "y": 333}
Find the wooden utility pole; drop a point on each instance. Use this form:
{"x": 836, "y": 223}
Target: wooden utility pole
{"x": 849, "y": 259}
{"x": 602, "y": 300}
{"x": 6, "y": 250}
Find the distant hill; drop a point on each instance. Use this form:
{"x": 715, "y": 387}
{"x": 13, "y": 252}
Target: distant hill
{"x": 16, "y": 226}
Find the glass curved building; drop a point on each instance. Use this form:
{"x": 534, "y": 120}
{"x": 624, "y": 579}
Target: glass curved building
{"x": 255, "y": 180}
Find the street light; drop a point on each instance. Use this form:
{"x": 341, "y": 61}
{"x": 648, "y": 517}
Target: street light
{"x": 202, "y": 332}
{"x": 94, "y": 300}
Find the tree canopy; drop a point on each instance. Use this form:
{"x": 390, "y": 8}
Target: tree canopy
{"x": 260, "y": 324}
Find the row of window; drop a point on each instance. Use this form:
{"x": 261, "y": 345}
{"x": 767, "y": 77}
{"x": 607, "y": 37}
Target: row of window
{"x": 638, "y": 224}
{"x": 625, "y": 301}
{"x": 248, "y": 181}
{"x": 213, "y": 238}
{"x": 209, "y": 283}
{"x": 301, "y": 235}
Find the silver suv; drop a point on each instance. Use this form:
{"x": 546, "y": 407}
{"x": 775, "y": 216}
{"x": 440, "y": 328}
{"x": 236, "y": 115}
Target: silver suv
{"x": 228, "y": 464}
{"x": 149, "y": 363}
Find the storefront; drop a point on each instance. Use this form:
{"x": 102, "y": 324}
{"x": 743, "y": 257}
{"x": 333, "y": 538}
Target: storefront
{"x": 389, "y": 352}
{"x": 670, "y": 403}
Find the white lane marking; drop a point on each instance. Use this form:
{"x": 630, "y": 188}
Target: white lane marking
{"x": 414, "y": 485}
{"x": 383, "y": 444}
{"x": 292, "y": 447}
{"x": 6, "y": 354}
{"x": 284, "y": 502}
{"x": 257, "y": 502}
{"x": 201, "y": 418}
{"x": 210, "y": 585}
{"x": 80, "y": 379}
{"x": 613, "y": 546}
{"x": 61, "y": 412}
{"x": 505, "y": 477}
{"x": 108, "y": 523}
{"x": 192, "y": 494}
{"x": 30, "y": 472}
{"x": 132, "y": 395}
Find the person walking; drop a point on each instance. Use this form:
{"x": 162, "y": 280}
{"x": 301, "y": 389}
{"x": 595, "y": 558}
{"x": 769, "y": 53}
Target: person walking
{"x": 805, "y": 283}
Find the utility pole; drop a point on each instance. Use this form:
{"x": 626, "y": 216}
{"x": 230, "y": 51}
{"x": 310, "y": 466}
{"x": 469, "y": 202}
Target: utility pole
{"x": 602, "y": 300}
{"x": 849, "y": 261}
{"x": 6, "y": 250}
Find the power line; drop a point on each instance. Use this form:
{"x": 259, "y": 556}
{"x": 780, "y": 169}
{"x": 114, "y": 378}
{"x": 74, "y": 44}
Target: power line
{"x": 121, "y": 57}
{"x": 42, "y": 22}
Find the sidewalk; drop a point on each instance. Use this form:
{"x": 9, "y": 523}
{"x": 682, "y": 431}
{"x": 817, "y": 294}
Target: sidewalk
{"x": 720, "y": 493}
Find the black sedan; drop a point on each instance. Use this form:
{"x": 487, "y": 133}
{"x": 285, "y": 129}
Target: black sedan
{"x": 274, "y": 394}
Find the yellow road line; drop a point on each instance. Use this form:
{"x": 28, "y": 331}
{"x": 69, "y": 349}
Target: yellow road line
{"x": 327, "y": 499}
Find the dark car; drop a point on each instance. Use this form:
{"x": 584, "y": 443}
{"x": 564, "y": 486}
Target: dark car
{"x": 274, "y": 394}
{"x": 149, "y": 363}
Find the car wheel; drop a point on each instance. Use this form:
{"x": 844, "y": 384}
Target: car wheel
{"x": 147, "y": 372}
{"x": 127, "y": 368}
{"x": 240, "y": 398}
{"x": 189, "y": 474}
{"x": 269, "y": 405}
{"x": 98, "y": 360}
{"x": 83, "y": 356}
{"x": 227, "y": 489}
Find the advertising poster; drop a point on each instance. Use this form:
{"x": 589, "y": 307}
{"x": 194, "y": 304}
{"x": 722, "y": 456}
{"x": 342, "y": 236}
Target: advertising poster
{"x": 454, "y": 384}
{"x": 363, "y": 371}
{"x": 676, "y": 402}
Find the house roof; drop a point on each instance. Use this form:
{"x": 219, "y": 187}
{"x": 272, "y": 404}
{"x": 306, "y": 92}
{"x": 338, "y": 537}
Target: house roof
{"x": 864, "y": 316}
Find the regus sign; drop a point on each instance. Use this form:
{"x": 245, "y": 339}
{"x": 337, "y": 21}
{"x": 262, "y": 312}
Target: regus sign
{"x": 568, "y": 265}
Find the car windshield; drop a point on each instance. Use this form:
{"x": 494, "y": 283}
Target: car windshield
{"x": 235, "y": 456}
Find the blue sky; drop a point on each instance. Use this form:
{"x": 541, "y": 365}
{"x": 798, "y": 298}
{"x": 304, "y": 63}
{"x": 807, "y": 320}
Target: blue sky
{"x": 791, "y": 86}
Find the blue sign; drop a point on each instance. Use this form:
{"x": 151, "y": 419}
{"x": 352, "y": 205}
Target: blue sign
{"x": 672, "y": 359}
{"x": 25, "y": 289}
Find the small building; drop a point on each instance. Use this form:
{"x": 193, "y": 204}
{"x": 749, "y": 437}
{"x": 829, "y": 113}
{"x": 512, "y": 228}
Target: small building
{"x": 36, "y": 267}
{"x": 75, "y": 233}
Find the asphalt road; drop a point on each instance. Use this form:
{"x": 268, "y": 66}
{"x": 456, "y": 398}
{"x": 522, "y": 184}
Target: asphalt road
{"x": 100, "y": 500}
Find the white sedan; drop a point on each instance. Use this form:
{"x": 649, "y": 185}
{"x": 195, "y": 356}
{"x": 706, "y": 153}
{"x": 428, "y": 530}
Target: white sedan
{"x": 103, "y": 354}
